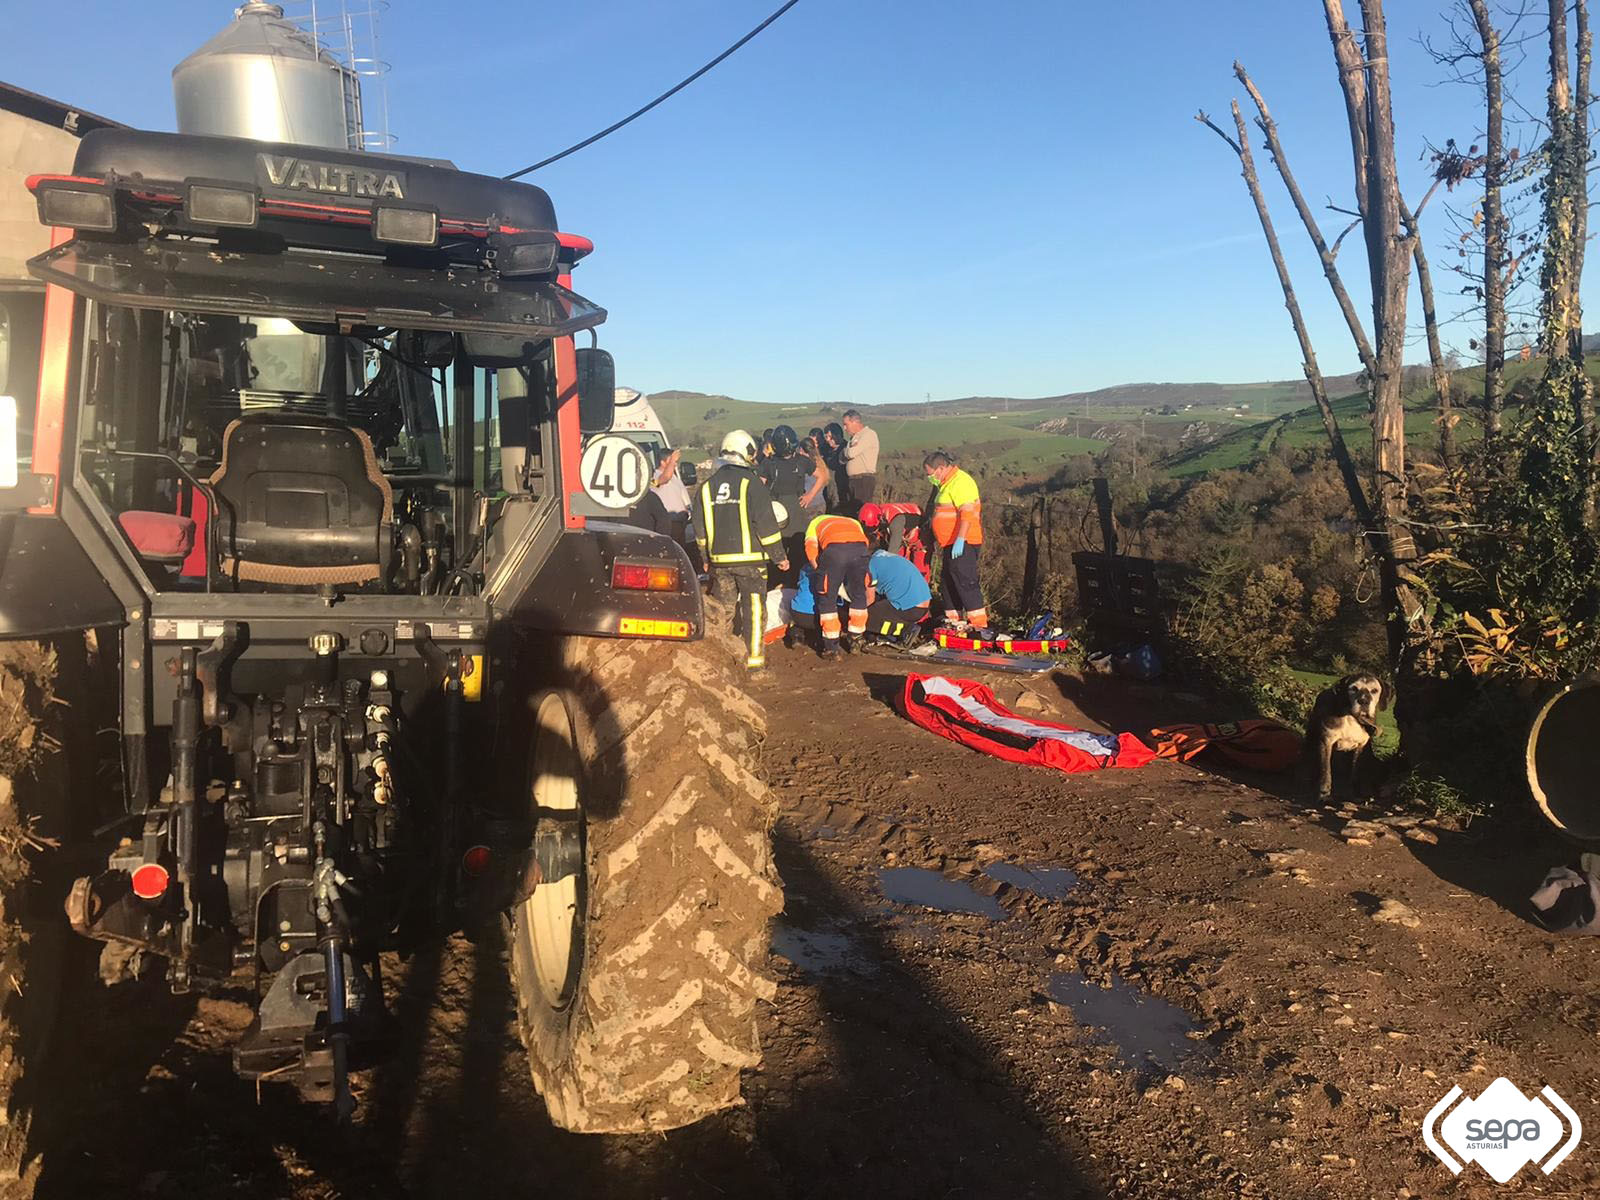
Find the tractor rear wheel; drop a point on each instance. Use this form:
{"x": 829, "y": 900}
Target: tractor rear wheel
{"x": 43, "y": 733}
{"x": 637, "y": 980}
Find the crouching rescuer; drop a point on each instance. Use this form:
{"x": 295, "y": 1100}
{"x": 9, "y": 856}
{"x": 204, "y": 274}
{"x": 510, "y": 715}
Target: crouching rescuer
{"x": 958, "y": 527}
{"x": 738, "y": 535}
{"x": 837, "y": 550}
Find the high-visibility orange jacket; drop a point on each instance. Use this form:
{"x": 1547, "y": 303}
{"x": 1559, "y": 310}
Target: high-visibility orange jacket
{"x": 828, "y": 530}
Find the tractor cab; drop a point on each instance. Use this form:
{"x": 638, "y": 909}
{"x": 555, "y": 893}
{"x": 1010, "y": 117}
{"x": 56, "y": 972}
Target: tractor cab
{"x": 305, "y": 374}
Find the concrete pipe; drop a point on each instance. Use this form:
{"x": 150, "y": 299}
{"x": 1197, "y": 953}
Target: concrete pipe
{"x": 1563, "y": 767}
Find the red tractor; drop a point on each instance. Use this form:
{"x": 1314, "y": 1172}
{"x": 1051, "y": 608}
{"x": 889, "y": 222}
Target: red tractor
{"x": 315, "y": 455}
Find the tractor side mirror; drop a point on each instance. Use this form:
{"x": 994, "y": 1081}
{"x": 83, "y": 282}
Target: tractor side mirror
{"x": 597, "y": 390}
{"x": 435, "y": 348}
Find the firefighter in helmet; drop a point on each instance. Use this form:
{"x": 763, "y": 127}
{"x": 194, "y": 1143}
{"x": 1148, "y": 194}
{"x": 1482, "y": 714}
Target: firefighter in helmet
{"x": 739, "y": 535}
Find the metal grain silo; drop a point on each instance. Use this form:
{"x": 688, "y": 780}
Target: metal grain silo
{"x": 264, "y": 77}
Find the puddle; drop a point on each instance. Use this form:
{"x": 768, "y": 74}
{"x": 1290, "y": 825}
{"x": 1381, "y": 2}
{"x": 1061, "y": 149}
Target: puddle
{"x": 817, "y": 951}
{"x": 1146, "y": 1030}
{"x": 929, "y": 889}
{"x": 1053, "y": 883}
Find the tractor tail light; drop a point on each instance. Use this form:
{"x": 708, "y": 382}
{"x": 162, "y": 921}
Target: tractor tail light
{"x": 150, "y": 881}
{"x": 638, "y": 577}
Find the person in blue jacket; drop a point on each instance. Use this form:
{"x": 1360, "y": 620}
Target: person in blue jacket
{"x": 802, "y": 611}
{"x": 898, "y": 598}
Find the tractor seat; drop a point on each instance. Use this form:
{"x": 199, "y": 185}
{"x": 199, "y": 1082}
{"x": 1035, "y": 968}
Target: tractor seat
{"x": 303, "y": 503}
{"x": 160, "y": 538}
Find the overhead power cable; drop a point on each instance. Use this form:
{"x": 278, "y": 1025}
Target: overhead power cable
{"x": 670, "y": 92}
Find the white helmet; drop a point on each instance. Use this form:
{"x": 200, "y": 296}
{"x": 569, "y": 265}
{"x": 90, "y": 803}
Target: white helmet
{"x": 739, "y": 447}
{"x": 780, "y": 514}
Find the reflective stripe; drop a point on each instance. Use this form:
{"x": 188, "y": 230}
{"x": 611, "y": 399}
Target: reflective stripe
{"x": 754, "y": 556}
{"x": 767, "y": 541}
{"x": 757, "y": 657}
{"x": 744, "y": 515}
{"x": 705, "y": 503}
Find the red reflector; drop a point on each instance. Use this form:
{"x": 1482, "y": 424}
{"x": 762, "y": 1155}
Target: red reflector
{"x": 476, "y": 860}
{"x": 640, "y": 578}
{"x": 150, "y": 881}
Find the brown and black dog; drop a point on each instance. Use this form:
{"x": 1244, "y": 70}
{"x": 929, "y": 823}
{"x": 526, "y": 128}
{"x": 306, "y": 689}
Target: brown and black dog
{"x": 1345, "y": 718}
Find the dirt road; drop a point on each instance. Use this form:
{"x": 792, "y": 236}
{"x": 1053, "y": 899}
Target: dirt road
{"x": 1157, "y": 982}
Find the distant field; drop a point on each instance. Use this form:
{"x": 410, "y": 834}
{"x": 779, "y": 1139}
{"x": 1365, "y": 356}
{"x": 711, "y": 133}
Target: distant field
{"x": 1302, "y": 429}
{"x": 685, "y": 419}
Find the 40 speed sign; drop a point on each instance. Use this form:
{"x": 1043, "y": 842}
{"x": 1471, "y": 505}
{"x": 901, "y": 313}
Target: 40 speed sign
{"x": 614, "y": 471}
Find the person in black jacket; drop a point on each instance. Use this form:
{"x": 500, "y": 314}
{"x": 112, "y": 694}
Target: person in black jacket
{"x": 738, "y": 535}
{"x": 785, "y": 474}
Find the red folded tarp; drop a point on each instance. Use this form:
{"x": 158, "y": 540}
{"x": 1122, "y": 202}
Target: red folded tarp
{"x": 967, "y": 712}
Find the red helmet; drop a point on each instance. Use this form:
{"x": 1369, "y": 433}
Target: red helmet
{"x": 871, "y": 515}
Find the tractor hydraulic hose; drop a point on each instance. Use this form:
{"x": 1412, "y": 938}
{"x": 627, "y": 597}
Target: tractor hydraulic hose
{"x": 338, "y": 1029}
{"x": 185, "y": 747}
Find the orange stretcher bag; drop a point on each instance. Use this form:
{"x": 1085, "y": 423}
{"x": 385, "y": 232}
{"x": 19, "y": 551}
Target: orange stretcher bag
{"x": 1257, "y": 744}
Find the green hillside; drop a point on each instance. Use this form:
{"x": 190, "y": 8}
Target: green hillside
{"x": 1303, "y": 427}
{"x": 697, "y": 422}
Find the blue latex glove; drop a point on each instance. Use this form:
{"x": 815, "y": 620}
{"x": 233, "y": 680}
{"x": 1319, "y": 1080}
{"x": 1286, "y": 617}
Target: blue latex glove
{"x": 960, "y": 548}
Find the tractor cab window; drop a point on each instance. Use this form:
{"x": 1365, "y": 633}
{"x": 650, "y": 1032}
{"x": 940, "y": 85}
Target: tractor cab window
{"x": 255, "y": 452}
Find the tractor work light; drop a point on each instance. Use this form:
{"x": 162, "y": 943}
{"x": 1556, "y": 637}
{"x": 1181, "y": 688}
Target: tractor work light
{"x": 76, "y": 205}
{"x": 407, "y": 226}
{"x": 638, "y": 577}
{"x": 207, "y": 203}
{"x": 526, "y": 254}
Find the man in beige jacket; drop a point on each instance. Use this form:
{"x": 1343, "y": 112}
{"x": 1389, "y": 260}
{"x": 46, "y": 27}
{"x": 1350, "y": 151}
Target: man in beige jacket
{"x": 860, "y": 460}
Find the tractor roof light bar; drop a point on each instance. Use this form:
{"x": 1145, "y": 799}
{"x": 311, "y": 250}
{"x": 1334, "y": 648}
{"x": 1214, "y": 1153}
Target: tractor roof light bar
{"x": 112, "y": 204}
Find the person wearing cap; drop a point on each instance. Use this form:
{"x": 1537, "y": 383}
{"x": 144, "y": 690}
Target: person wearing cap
{"x": 859, "y": 458}
{"x": 836, "y": 547}
{"x": 897, "y": 597}
{"x": 737, "y": 532}
{"x": 958, "y": 528}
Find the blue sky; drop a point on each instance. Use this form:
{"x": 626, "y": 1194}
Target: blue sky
{"x": 873, "y": 201}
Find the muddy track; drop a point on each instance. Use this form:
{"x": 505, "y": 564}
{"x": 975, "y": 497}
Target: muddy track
{"x": 1231, "y": 994}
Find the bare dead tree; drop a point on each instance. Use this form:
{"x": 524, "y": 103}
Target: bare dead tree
{"x": 1580, "y": 222}
{"x": 1328, "y": 255}
{"x": 1364, "y": 78}
{"x": 1359, "y": 502}
{"x": 1269, "y": 130}
{"x": 1559, "y": 281}
{"x": 1495, "y": 249}
{"x": 1430, "y": 321}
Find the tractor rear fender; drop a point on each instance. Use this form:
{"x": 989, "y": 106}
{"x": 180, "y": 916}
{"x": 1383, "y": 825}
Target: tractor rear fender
{"x": 572, "y": 590}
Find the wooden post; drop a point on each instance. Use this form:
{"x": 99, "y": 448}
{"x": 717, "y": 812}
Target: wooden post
{"x": 1108, "y": 526}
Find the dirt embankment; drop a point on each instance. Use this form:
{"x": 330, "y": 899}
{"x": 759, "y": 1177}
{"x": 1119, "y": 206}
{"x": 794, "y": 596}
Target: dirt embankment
{"x": 994, "y": 981}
